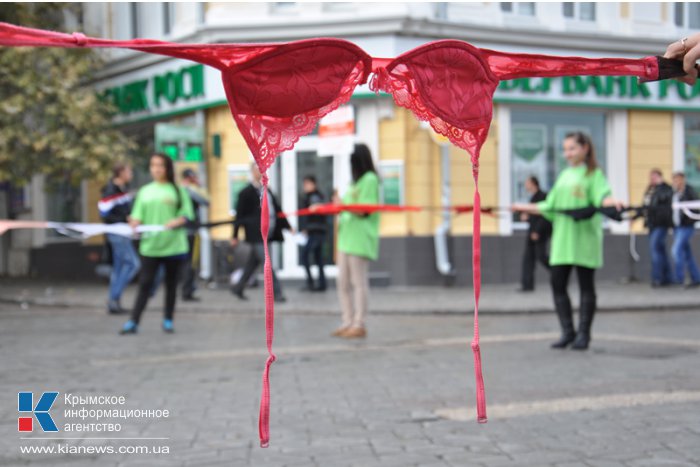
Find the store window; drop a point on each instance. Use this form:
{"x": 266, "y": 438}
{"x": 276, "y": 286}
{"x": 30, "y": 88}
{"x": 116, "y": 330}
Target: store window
{"x": 687, "y": 15}
{"x": 168, "y": 17}
{"x": 63, "y": 203}
{"x": 519, "y": 8}
{"x": 582, "y": 11}
{"x": 134, "y": 19}
{"x": 691, "y": 152}
{"x": 284, "y": 8}
{"x": 536, "y": 144}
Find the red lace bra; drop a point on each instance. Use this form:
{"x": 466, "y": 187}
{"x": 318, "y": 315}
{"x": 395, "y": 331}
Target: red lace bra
{"x": 278, "y": 92}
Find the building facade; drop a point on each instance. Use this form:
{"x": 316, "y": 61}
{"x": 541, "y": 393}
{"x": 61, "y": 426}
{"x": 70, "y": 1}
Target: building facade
{"x": 180, "y": 107}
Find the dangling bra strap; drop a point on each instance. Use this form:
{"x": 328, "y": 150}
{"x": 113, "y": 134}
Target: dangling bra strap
{"x": 264, "y": 419}
{"x": 476, "y": 274}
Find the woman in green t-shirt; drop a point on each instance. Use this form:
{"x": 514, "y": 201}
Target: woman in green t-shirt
{"x": 160, "y": 202}
{"x": 358, "y": 244}
{"x": 575, "y": 244}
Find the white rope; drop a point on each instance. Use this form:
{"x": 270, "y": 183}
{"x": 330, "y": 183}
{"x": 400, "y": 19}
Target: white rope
{"x": 83, "y": 230}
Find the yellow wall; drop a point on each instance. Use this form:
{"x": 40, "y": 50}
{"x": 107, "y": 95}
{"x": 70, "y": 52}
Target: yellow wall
{"x": 392, "y": 146}
{"x": 650, "y": 146}
{"x": 402, "y": 136}
{"x": 233, "y": 151}
{"x": 462, "y": 184}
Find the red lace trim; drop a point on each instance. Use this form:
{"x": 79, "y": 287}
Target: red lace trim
{"x": 404, "y": 90}
{"x": 267, "y": 136}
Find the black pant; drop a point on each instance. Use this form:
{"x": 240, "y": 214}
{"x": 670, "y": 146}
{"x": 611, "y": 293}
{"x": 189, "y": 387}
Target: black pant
{"x": 314, "y": 247}
{"x": 149, "y": 268}
{"x": 255, "y": 259}
{"x": 189, "y": 281}
{"x": 586, "y": 282}
{"x": 534, "y": 251}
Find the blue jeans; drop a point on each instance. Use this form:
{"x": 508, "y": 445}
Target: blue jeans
{"x": 683, "y": 255}
{"x": 314, "y": 247}
{"x": 660, "y": 266}
{"x": 125, "y": 264}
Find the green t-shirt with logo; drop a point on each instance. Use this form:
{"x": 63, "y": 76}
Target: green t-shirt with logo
{"x": 156, "y": 204}
{"x": 359, "y": 234}
{"x": 574, "y": 242}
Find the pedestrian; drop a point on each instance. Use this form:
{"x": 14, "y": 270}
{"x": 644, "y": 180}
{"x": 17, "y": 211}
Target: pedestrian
{"x": 248, "y": 212}
{"x": 358, "y": 244}
{"x": 683, "y": 229}
{"x": 658, "y": 219}
{"x": 160, "y": 202}
{"x": 315, "y": 227}
{"x": 575, "y": 244}
{"x": 200, "y": 198}
{"x": 538, "y": 232}
{"x": 114, "y": 207}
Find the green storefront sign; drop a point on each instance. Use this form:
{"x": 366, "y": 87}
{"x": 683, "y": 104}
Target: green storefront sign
{"x": 603, "y": 88}
{"x": 150, "y": 94}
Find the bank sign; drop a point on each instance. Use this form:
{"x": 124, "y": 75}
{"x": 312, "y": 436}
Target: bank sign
{"x": 173, "y": 87}
{"x": 601, "y": 91}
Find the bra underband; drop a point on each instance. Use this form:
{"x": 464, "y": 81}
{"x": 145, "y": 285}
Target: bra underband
{"x": 277, "y": 93}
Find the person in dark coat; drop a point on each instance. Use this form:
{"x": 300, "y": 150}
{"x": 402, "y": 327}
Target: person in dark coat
{"x": 248, "y": 210}
{"x": 315, "y": 227}
{"x": 538, "y": 233}
{"x": 115, "y": 206}
{"x": 657, "y": 201}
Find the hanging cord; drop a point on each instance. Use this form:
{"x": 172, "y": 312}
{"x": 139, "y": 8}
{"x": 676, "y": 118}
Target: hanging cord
{"x": 264, "y": 419}
{"x": 476, "y": 274}
{"x": 633, "y": 247}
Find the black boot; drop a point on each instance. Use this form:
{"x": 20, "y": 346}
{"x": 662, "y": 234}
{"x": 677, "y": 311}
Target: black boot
{"x": 583, "y": 337}
{"x": 563, "y": 309}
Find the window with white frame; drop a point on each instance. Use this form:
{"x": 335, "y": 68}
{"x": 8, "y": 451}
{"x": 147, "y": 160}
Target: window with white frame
{"x": 338, "y": 6}
{"x": 687, "y": 15}
{"x": 64, "y": 202}
{"x": 168, "y": 17}
{"x": 284, "y": 7}
{"x": 201, "y": 12}
{"x": 519, "y": 8}
{"x": 537, "y": 136}
{"x": 134, "y": 17}
{"x": 582, "y": 11}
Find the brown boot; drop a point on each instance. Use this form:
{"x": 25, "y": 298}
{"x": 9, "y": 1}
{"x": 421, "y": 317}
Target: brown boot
{"x": 354, "y": 333}
{"x": 340, "y": 331}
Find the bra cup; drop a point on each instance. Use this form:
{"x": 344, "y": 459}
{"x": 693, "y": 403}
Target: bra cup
{"x": 292, "y": 83}
{"x": 454, "y": 85}
{"x": 447, "y": 84}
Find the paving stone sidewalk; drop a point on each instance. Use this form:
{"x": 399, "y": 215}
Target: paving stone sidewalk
{"x": 494, "y": 298}
{"x": 402, "y": 397}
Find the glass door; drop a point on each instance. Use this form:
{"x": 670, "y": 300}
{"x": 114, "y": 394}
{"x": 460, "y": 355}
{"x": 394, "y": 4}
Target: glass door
{"x": 309, "y": 163}
{"x": 296, "y": 164}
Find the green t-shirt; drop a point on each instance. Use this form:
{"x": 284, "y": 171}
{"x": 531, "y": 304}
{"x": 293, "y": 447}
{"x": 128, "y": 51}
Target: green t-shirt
{"x": 574, "y": 242}
{"x": 156, "y": 204}
{"x": 358, "y": 234}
